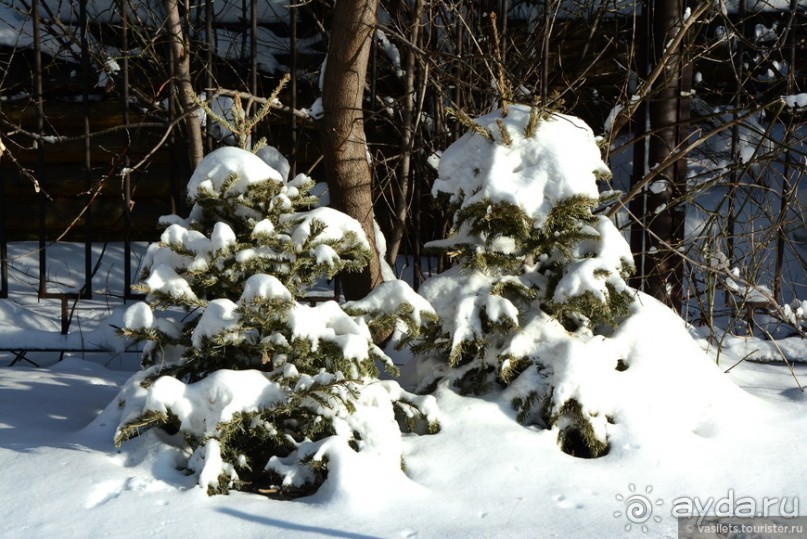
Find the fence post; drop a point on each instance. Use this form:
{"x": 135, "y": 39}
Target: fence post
{"x": 3, "y": 234}
{"x": 293, "y": 87}
{"x": 86, "y": 290}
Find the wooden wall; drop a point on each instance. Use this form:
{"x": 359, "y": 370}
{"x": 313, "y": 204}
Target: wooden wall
{"x": 67, "y": 186}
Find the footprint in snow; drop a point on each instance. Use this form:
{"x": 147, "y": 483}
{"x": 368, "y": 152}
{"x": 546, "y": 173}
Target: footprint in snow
{"x": 563, "y": 503}
{"x": 102, "y": 493}
{"x": 108, "y": 490}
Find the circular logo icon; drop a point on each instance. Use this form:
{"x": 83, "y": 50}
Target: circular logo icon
{"x": 638, "y": 508}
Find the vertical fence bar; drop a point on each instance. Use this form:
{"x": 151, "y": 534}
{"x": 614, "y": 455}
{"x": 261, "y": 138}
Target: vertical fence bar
{"x": 244, "y": 33}
{"x": 788, "y": 187}
{"x": 127, "y": 176}
{"x": 253, "y": 47}
{"x": 637, "y": 206}
{"x": 734, "y": 176}
{"x": 209, "y": 77}
{"x": 176, "y": 150}
{"x": 127, "y": 187}
{"x": 86, "y": 291}
{"x": 504, "y": 8}
{"x": 3, "y": 233}
{"x": 683, "y": 116}
{"x": 545, "y": 54}
{"x": 40, "y": 165}
{"x": 373, "y": 75}
{"x": 39, "y": 100}
{"x": 293, "y": 86}
{"x": 420, "y": 176}
{"x": 417, "y": 271}
{"x": 3, "y": 238}
{"x": 40, "y": 150}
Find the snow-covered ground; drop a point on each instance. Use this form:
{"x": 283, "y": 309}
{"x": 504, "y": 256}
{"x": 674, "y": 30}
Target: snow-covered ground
{"x": 482, "y": 475}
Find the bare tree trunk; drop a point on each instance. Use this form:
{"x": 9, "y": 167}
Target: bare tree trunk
{"x": 182, "y": 64}
{"x": 342, "y": 128}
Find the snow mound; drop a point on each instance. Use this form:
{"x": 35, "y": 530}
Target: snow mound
{"x": 538, "y": 304}
{"x": 560, "y": 160}
{"x": 223, "y": 164}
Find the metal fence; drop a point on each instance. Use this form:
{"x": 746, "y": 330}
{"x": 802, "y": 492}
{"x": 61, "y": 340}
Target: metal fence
{"x": 89, "y": 92}
{"x": 56, "y": 38}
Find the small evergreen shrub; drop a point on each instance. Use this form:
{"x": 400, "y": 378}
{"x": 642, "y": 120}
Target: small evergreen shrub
{"x": 537, "y": 270}
{"x": 265, "y": 390}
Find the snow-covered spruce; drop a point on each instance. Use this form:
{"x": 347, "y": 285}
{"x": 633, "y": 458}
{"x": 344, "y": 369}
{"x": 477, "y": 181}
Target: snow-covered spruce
{"x": 267, "y": 392}
{"x": 538, "y": 272}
